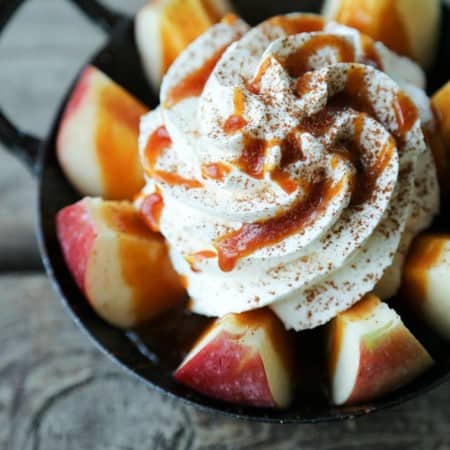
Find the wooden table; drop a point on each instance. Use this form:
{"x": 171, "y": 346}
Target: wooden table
{"x": 57, "y": 392}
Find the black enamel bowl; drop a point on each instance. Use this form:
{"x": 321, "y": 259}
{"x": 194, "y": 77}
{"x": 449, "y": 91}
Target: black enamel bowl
{"x": 141, "y": 355}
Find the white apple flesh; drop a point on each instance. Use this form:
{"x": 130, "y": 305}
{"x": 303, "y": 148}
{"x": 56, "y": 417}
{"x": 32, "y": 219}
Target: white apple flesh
{"x": 426, "y": 281}
{"x": 371, "y": 353}
{"x": 97, "y": 144}
{"x": 408, "y": 27}
{"x": 243, "y": 358}
{"x": 164, "y": 28}
{"x": 121, "y": 266}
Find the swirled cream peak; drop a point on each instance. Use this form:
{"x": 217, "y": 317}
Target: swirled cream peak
{"x": 286, "y": 162}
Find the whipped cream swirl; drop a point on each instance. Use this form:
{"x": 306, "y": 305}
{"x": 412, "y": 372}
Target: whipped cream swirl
{"x": 289, "y": 166}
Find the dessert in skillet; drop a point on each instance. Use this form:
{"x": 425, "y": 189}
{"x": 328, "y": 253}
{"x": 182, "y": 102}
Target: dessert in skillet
{"x": 289, "y": 167}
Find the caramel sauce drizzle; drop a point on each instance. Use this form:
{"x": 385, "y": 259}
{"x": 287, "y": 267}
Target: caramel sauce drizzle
{"x": 252, "y": 236}
{"x": 355, "y": 94}
{"x": 254, "y": 86}
{"x": 253, "y": 156}
{"x": 297, "y": 63}
{"x": 284, "y": 180}
{"x": 236, "y": 121}
{"x": 143, "y": 259}
{"x": 151, "y": 210}
{"x": 192, "y": 85}
{"x": 367, "y": 176}
{"x": 291, "y": 152}
{"x": 157, "y": 144}
{"x": 304, "y": 83}
{"x": 216, "y": 171}
{"x": 174, "y": 179}
{"x": 197, "y": 257}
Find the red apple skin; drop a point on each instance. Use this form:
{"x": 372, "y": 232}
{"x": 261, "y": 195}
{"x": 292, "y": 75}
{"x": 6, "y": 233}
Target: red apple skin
{"x": 390, "y": 365}
{"x": 79, "y": 92}
{"x": 97, "y": 143}
{"x": 121, "y": 266}
{"x": 246, "y": 359}
{"x": 226, "y": 370}
{"x": 76, "y": 234}
{"x": 372, "y": 353}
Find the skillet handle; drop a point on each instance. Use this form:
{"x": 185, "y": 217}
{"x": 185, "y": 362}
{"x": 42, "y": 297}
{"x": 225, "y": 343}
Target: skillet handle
{"x": 22, "y": 145}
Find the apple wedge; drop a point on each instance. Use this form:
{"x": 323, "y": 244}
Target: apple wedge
{"x": 97, "y": 143}
{"x": 440, "y": 141}
{"x": 164, "y": 28}
{"x": 121, "y": 266}
{"x": 408, "y": 27}
{"x": 371, "y": 353}
{"x": 243, "y": 358}
{"x": 426, "y": 278}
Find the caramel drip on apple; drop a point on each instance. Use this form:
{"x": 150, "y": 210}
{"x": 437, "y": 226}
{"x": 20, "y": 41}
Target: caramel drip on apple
{"x": 144, "y": 258}
{"x": 176, "y": 33}
{"x": 385, "y": 25}
{"x": 424, "y": 254}
{"x": 305, "y": 23}
{"x": 117, "y": 144}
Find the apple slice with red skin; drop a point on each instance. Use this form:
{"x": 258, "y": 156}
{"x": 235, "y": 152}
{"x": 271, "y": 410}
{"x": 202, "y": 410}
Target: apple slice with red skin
{"x": 164, "y": 28}
{"x": 97, "y": 144}
{"x": 371, "y": 353}
{"x": 426, "y": 287}
{"x": 121, "y": 266}
{"x": 243, "y": 358}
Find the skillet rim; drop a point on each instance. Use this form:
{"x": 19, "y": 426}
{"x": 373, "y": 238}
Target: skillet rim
{"x": 61, "y": 285}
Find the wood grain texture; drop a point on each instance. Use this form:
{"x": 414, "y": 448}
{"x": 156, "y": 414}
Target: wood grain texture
{"x": 57, "y": 392}
{"x": 40, "y": 53}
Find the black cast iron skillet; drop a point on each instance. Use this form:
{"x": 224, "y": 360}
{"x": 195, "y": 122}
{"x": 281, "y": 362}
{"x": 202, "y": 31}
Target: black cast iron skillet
{"x": 140, "y": 353}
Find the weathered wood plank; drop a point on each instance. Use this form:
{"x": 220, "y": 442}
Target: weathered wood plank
{"x": 58, "y": 392}
{"x": 40, "y": 53}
